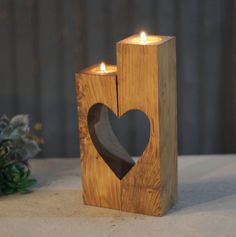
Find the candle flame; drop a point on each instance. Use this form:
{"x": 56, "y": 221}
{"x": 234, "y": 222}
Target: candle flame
{"x": 103, "y": 67}
{"x": 143, "y": 37}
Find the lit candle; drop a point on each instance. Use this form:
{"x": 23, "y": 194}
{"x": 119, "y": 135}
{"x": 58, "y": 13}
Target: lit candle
{"x": 143, "y": 37}
{"x": 103, "y": 67}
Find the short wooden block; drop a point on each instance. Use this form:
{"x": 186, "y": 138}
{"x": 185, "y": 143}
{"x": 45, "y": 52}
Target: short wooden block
{"x": 101, "y": 187}
{"x": 145, "y": 79}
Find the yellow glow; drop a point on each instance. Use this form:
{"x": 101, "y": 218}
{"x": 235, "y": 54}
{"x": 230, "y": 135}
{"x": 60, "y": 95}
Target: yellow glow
{"x": 103, "y": 67}
{"x": 150, "y": 39}
{"x": 143, "y": 37}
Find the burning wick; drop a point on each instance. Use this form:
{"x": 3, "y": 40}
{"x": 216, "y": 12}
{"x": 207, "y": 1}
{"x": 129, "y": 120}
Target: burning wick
{"x": 143, "y": 37}
{"x": 103, "y": 67}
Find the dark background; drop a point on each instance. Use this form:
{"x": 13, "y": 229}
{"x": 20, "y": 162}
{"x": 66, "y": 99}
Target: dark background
{"x": 44, "y": 42}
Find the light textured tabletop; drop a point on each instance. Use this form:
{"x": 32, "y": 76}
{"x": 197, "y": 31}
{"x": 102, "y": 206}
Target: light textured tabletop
{"x": 206, "y": 205}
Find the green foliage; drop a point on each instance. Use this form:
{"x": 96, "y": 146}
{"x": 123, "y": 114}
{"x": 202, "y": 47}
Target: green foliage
{"x": 17, "y": 146}
{"x": 16, "y": 179}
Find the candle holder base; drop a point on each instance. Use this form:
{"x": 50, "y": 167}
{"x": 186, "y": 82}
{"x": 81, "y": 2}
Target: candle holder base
{"x": 145, "y": 80}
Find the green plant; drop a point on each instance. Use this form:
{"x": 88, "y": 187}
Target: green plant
{"x": 17, "y": 146}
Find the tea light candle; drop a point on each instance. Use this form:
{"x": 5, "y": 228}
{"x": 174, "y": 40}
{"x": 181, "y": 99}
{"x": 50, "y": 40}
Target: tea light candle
{"x": 102, "y": 69}
{"x": 144, "y": 39}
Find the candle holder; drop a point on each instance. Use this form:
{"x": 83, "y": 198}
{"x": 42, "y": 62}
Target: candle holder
{"x": 145, "y": 80}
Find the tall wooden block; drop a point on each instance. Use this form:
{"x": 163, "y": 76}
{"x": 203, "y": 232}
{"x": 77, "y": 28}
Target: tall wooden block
{"x": 145, "y": 79}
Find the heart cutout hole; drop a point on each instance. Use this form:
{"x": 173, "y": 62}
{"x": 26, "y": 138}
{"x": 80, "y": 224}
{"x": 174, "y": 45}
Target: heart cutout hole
{"x": 118, "y": 139}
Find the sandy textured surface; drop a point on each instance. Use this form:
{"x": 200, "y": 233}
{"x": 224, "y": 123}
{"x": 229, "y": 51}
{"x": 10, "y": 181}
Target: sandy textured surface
{"x": 206, "y": 206}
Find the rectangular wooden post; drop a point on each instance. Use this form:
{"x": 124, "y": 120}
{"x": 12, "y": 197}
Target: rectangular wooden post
{"x": 101, "y": 187}
{"x": 147, "y": 81}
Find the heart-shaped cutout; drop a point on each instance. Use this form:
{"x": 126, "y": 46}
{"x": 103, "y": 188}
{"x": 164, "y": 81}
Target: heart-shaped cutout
{"x": 113, "y": 141}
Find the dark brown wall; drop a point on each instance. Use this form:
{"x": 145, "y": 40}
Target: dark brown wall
{"x": 44, "y": 42}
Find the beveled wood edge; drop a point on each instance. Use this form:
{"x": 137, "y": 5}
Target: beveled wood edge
{"x": 164, "y": 39}
{"x": 87, "y": 70}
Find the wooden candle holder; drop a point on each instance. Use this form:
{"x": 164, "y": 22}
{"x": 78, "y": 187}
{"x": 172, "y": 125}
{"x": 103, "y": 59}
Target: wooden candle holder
{"x": 145, "y": 79}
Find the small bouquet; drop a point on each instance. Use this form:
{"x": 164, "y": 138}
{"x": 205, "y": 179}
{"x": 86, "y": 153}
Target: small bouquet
{"x": 17, "y": 146}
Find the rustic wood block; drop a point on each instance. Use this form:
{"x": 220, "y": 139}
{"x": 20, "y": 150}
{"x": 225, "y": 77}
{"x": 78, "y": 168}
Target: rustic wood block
{"x": 101, "y": 187}
{"x": 145, "y": 80}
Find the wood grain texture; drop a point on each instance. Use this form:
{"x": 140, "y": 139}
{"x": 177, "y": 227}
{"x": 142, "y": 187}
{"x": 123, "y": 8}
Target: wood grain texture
{"x": 167, "y": 123}
{"x": 139, "y": 69}
{"x": 146, "y": 81}
{"x": 101, "y": 187}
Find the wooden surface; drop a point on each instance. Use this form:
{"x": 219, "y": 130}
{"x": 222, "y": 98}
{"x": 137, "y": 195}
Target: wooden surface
{"x": 146, "y": 81}
{"x": 138, "y": 88}
{"x": 101, "y": 187}
{"x": 167, "y": 124}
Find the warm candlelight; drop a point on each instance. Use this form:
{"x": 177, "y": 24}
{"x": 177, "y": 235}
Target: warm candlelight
{"x": 103, "y": 67}
{"x": 143, "y": 37}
